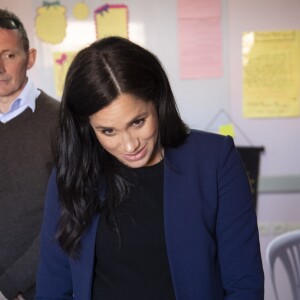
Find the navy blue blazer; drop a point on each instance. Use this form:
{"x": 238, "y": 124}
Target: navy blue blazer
{"x": 210, "y": 229}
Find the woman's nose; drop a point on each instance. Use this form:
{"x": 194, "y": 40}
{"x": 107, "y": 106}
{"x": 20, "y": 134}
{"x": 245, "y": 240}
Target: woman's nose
{"x": 130, "y": 143}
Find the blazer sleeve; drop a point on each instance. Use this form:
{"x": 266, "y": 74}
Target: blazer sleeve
{"x": 54, "y": 275}
{"x": 236, "y": 229}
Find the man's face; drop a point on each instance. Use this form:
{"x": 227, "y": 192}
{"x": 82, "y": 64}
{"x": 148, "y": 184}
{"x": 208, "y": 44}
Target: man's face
{"x": 14, "y": 63}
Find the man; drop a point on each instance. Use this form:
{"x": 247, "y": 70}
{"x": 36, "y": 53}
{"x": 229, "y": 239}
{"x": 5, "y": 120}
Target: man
{"x": 27, "y": 123}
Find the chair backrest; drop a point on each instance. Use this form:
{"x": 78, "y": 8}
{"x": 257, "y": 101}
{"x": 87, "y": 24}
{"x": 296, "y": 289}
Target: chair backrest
{"x": 286, "y": 247}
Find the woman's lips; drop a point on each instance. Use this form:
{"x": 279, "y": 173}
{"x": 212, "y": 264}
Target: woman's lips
{"x": 137, "y": 155}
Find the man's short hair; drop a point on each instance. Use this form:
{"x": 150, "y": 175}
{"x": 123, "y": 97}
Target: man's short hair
{"x": 8, "y": 20}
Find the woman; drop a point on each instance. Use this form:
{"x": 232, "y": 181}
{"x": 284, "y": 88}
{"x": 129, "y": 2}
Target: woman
{"x": 139, "y": 207}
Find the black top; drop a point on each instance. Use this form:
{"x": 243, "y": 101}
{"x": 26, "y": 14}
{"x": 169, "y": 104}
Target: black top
{"x": 135, "y": 266}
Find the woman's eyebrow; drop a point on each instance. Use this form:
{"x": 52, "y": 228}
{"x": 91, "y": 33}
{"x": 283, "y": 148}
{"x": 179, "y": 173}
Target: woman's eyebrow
{"x": 137, "y": 117}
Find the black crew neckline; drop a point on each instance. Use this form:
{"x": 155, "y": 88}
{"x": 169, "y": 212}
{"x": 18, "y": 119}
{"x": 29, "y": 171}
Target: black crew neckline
{"x": 149, "y": 170}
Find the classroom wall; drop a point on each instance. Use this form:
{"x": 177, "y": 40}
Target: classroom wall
{"x": 152, "y": 24}
{"x": 278, "y": 211}
{"x": 200, "y": 100}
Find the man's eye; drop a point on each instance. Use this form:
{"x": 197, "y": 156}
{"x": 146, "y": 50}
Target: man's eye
{"x": 9, "y": 55}
{"x": 139, "y": 122}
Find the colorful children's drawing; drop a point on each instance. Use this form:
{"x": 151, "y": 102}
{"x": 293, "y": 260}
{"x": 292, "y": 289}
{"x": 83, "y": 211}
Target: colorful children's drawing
{"x": 62, "y": 62}
{"x": 111, "y": 20}
{"x": 51, "y": 23}
{"x": 81, "y": 11}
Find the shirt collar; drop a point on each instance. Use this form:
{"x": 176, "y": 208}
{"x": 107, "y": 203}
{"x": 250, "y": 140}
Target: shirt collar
{"x": 26, "y": 99}
{"x": 28, "y": 96}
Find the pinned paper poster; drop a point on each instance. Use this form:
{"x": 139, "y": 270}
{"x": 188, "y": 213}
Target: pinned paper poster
{"x": 111, "y": 20}
{"x": 227, "y": 129}
{"x": 200, "y": 38}
{"x": 81, "y": 11}
{"x": 62, "y": 62}
{"x": 51, "y": 23}
{"x": 271, "y": 74}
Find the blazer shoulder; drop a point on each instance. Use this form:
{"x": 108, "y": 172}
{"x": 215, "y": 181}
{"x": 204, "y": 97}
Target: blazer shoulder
{"x": 200, "y": 148}
{"x": 210, "y": 137}
{"x": 206, "y": 142}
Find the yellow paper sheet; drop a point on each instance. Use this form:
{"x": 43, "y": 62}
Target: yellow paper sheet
{"x": 271, "y": 74}
{"x": 111, "y": 20}
{"x": 62, "y": 62}
{"x": 51, "y": 24}
{"x": 227, "y": 129}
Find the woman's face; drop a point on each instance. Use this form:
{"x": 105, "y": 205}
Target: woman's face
{"x": 128, "y": 130}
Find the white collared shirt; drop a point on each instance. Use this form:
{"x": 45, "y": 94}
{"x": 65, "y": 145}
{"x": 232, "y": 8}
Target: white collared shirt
{"x": 27, "y": 98}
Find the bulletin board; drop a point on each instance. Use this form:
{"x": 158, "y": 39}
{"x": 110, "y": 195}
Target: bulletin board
{"x": 154, "y": 25}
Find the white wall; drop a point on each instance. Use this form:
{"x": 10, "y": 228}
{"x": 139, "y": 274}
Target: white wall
{"x": 200, "y": 100}
{"x": 281, "y": 137}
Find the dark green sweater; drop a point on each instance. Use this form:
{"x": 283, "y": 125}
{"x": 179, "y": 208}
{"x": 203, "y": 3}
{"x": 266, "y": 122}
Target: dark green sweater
{"x": 25, "y": 164}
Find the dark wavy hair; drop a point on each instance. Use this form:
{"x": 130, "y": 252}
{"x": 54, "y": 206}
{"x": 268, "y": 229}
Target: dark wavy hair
{"x": 97, "y": 76}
